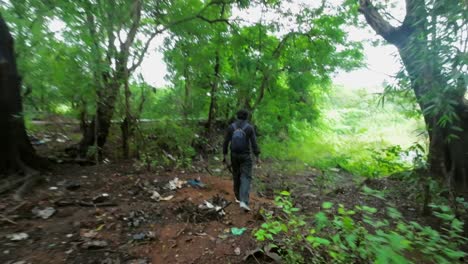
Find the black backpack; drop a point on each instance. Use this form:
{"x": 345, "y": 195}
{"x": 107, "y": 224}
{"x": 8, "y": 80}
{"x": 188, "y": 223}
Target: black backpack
{"x": 239, "y": 141}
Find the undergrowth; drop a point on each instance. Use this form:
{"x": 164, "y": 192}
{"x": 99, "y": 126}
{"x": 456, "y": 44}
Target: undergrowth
{"x": 360, "y": 235}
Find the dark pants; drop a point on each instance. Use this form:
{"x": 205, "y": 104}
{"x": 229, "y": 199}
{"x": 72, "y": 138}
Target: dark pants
{"x": 242, "y": 175}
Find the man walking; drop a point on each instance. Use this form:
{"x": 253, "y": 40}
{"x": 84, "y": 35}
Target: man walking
{"x": 241, "y": 136}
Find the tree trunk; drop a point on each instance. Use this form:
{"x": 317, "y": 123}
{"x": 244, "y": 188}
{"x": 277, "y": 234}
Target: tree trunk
{"x": 107, "y": 97}
{"x": 127, "y": 123}
{"x": 448, "y": 145}
{"x": 83, "y": 117}
{"x": 16, "y": 151}
{"x": 214, "y": 90}
{"x": 187, "y": 107}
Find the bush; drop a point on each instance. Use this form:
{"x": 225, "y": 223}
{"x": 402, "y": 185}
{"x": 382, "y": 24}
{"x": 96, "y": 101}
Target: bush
{"x": 167, "y": 144}
{"x": 340, "y": 235}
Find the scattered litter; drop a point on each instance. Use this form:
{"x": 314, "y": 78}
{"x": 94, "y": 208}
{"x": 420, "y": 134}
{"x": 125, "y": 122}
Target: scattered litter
{"x": 238, "y": 231}
{"x": 237, "y": 251}
{"x": 223, "y": 236}
{"x": 156, "y": 196}
{"x": 101, "y": 198}
{"x": 268, "y": 253}
{"x": 69, "y": 235}
{"x": 44, "y": 213}
{"x": 86, "y": 233}
{"x": 175, "y": 184}
{"x": 217, "y": 170}
{"x": 95, "y": 244}
{"x": 136, "y": 218}
{"x": 196, "y": 183}
{"x": 72, "y": 185}
{"x": 206, "y": 205}
{"x": 68, "y": 252}
{"x": 167, "y": 198}
{"x": 53, "y": 188}
{"x": 35, "y": 141}
{"x": 144, "y": 236}
{"x": 139, "y": 236}
{"x": 17, "y": 236}
{"x": 212, "y": 209}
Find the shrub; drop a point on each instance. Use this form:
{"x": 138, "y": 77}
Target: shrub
{"x": 340, "y": 235}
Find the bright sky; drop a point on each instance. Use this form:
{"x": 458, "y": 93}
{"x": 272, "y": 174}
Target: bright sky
{"x": 382, "y": 62}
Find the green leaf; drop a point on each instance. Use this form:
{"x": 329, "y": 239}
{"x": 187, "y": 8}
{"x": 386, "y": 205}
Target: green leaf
{"x": 327, "y": 205}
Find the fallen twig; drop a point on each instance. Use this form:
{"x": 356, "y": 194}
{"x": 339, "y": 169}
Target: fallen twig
{"x": 83, "y": 203}
{"x": 183, "y": 229}
{"x": 6, "y": 219}
{"x": 10, "y": 211}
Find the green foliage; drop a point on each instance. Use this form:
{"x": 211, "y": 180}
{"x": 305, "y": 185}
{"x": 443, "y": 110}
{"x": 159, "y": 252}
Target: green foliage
{"x": 361, "y": 235}
{"x": 352, "y": 132}
{"x": 277, "y": 72}
{"x": 166, "y": 143}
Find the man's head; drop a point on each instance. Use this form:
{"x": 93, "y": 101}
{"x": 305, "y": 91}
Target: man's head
{"x": 242, "y": 114}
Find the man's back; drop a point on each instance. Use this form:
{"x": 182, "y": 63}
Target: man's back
{"x": 236, "y": 129}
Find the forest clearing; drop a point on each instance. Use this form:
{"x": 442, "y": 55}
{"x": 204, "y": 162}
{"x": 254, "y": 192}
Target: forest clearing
{"x": 217, "y": 131}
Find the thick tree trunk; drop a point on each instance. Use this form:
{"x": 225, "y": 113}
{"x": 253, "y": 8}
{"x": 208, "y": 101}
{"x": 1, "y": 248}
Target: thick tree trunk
{"x": 448, "y": 145}
{"x": 16, "y": 151}
{"x": 448, "y": 154}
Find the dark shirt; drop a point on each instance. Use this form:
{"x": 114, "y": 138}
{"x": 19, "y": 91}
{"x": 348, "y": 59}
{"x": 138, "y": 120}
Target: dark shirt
{"x": 249, "y": 132}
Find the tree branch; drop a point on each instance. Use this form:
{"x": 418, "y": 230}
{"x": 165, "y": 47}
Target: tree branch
{"x": 212, "y": 21}
{"x": 380, "y": 25}
{"x": 141, "y": 56}
{"x": 415, "y": 13}
{"x": 136, "y": 18}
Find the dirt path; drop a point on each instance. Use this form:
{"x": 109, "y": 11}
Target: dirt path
{"x": 137, "y": 229}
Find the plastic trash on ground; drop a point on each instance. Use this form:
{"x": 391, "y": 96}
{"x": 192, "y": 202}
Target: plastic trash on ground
{"x": 238, "y": 231}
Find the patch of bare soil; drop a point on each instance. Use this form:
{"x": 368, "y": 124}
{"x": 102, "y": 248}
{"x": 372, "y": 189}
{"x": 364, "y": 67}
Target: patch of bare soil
{"x": 111, "y": 214}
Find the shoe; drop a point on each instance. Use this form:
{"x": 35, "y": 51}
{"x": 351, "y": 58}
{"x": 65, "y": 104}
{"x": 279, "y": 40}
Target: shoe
{"x": 244, "y": 206}
{"x": 237, "y": 201}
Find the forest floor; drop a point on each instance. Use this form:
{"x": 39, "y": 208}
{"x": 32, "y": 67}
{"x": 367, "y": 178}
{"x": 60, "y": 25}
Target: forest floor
{"x": 109, "y": 213}
{"x": 127, "y": 225}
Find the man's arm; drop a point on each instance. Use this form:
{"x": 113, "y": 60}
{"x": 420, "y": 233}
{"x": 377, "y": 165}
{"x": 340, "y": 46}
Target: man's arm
{"x": 227, "y": 139}
{"x": 253, "y": 142}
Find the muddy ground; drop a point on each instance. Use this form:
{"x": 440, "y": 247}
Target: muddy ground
{"x": 109, "y": 213}
{"x": 106, "y": 214}
{"x": 131, "y": 226}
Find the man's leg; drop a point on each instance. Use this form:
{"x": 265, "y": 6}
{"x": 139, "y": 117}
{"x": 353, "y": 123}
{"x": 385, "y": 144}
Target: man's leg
{"x": 245, "y": 178}
{"x": 236, "y": 174}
